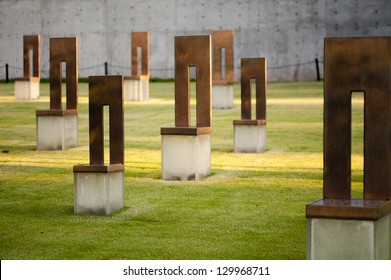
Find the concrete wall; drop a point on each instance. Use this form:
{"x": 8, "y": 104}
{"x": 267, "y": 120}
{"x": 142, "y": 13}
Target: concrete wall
{"x": 289, "y": 33}
{"x": 358, "y": 18}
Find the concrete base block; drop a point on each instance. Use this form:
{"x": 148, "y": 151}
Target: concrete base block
{"x": 56, "y": 132}
{"x": 249, "y": 138}
{"x": 186, "y": 157}
{"x": 27, "y": 89}
{"x": 98, "y": 193}
{"x": 136, "y": 89}
{"x": 222, "y": 96}
{"x": 339, "y": 239}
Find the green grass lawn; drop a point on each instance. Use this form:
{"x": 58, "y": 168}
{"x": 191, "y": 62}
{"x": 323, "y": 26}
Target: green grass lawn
{"x": 252, "y": 206}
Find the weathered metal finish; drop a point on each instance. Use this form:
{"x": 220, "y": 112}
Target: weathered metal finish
{"x": 193, "y": 131}
{"x": 223, "y": 39}
{"x": 249, "y": 122}
{"x": 31, "y": 42}
{"x": 63, "y": 50}
{"x": 106, "y": 91}
{"x": 60, "y": 113}
{"x": 253, "y": 68}
{"x": 193, "y": 51}
{"x": 351, "y": 65}
{"x": 140, "y": 40}
{"x": 98, "y": 168}
{"x": 357, "y": 64}
{"x": 351, "y": 209}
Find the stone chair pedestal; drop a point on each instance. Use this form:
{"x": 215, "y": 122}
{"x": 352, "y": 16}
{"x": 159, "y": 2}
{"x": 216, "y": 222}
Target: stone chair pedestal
{"x": 249, "y": 136}
{"x": 186, "y": 153}
{"x": 27, "y": 88}
{"x": 136, "y": 88}
{"x": 56, "y": 129}
{"x": 222, "y": 95}
{"x": 99, "y": 189}
{"x": 348, "y": 229}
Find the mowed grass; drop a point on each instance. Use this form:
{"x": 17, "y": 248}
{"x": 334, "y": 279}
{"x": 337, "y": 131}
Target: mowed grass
{"x": 252, "y": 206}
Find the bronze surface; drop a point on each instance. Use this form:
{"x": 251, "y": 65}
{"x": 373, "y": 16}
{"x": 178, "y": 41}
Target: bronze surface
{"x": 185, "y": 130}
{"x": 357, "y": 64}
{"x": 140, "y": 40}
{"x": 98, "y": 168}
{"x": 31, "y": 42}
{"x": 223, "y": 39}
{"x": 253, "y": 68}
{"x": 193, "y": 51}
{"x": 63, "y": 50}
{"x": 106, "y": 91}
{"x": 34, "y": 79}
{"x": 249, "y": 122}
{"x": 354, "y": 209}
{"x": 56, "y": 112}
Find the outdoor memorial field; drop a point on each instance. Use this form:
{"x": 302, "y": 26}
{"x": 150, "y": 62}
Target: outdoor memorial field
{"x": 251, "y": 206}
